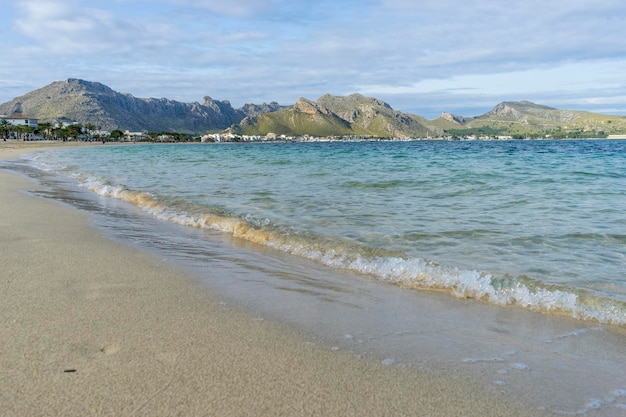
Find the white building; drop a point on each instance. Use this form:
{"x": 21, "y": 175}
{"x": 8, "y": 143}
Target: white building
{"x": 20, "y": 119}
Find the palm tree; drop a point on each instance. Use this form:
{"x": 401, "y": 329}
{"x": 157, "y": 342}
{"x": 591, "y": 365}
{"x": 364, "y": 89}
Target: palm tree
{"x": 5, "y": 128}
{"x": 74, "y": 130}
{"x": 46, "y": 129}
{"x": 90, "y": 128}
{"x": 21, "y": 130}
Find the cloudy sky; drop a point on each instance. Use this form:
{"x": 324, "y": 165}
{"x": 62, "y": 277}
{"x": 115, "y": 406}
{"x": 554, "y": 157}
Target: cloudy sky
{"x": 423, "y": 57}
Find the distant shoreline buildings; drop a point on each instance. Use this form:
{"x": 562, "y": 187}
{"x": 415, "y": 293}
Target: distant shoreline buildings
{"x": 19, "y": 119}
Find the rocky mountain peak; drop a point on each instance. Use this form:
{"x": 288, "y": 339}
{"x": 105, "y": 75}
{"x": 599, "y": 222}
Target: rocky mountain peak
{"x": 253, "y": 110}
{"x": 80, "y": 101}
{"x": 453, "y": 118}
{"x": 309, "y": 107}
{"x": 506, "y": 109}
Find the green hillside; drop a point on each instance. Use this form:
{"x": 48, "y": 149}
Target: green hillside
{"x": 526, "y": 119}
{"x": 85, "y": 102}
{"x": 337, "y": 116}
{"x": 301, "y": 119}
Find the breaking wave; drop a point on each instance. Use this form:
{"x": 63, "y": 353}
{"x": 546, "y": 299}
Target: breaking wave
{"x": 387, "y": 266}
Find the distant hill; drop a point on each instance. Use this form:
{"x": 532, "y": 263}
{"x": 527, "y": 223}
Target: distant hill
{"x": 79, "y": 101}
{"x": 523, "y": 118}
{"x": 85, "y": 102}
{"x": 340, "y": 115}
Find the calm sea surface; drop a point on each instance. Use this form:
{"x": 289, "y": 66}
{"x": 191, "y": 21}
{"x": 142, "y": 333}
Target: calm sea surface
{"x": 541, "y": 224}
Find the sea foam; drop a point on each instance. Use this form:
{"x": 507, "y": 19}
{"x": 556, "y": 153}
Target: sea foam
{"x": 403, "y": 271}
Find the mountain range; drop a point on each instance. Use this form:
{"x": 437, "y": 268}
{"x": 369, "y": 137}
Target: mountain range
{"x": 86, "y": 102}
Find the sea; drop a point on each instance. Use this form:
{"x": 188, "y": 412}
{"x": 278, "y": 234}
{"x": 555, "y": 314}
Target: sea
{"x": 504, "y": 260}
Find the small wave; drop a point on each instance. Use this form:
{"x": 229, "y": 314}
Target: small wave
{"x": 373, "y": 185}
{"x": 386, "y": 266}
{"x": 579, "y": 332}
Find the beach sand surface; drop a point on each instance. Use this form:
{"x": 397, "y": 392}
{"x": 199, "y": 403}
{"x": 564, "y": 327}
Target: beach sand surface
{"x": 91, "y": 327}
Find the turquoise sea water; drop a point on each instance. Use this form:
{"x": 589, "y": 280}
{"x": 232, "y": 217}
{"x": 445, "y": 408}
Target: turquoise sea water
{"x": 540, "y": 224}
{"x": 524, "y": 241}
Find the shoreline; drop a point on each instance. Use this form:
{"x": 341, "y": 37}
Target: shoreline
{"x": 95, "y": 327}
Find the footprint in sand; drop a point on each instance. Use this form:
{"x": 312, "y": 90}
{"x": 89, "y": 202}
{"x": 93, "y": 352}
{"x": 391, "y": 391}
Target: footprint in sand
{"x": 110, "y": 349}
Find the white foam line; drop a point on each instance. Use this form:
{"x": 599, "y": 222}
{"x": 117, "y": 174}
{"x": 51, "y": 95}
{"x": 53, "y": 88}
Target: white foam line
{"x": 579, "y": 332}
{"x": 411, "y": 272}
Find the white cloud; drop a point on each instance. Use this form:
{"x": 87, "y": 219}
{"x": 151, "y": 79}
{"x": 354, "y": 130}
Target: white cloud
{"x": 567, "y": 77}
{"x": 62, "y": 27}
{"x": 235, "y": 8}
{"x": 419, "y": 56}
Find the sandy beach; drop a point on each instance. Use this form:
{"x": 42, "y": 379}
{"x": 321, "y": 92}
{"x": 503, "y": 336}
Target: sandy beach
{"x": 91, "y": 327}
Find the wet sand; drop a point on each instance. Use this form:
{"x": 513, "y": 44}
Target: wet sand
{"x": 94, "y": 327}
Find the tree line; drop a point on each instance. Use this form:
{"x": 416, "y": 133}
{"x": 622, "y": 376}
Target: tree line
{"x": 46, "y": 130}
{"x": 79, "y": 132}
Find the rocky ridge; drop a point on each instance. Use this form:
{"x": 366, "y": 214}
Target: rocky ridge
{"x": 85, "y": 102}
{"x": 79, "y": 101}
{"x": 340, "y": 115}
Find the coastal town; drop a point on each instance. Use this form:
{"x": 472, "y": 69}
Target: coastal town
{"x": 26, "y": 128}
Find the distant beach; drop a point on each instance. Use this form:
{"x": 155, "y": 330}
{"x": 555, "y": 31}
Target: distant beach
{"x": 96, "y": 327}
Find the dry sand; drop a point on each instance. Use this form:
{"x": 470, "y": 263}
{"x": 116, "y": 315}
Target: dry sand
{"x": 90, "y": 327}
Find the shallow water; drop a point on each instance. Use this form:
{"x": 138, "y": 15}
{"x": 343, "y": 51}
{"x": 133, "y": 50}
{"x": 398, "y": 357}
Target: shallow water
{"x": 534, "y": 223}
{"x": 547, "y": 361}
